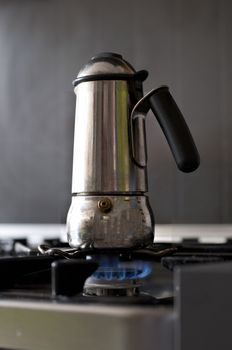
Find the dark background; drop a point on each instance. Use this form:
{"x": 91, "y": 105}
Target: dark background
{"x": 185, "y": 44}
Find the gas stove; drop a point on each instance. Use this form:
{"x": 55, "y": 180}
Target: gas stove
{"x": 168, "y": 296}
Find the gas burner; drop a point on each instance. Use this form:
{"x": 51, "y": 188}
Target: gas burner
{"x": 117, "y": 277}
{"x": 121, "y": 272}
{"x": 101, "y": 275}
{"x": 126, "y": 289}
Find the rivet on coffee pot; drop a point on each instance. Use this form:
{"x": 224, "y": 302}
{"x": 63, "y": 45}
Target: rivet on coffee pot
{"x": 105, "y": 205}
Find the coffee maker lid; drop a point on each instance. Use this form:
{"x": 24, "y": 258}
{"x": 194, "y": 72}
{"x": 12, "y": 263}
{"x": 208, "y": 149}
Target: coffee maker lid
{"x": 108, "y": 66}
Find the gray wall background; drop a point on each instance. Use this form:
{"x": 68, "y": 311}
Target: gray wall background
{"x": 186, "y": 44}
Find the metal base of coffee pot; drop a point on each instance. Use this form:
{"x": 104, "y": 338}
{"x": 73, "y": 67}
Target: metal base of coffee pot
{"x": 110, "y": 221}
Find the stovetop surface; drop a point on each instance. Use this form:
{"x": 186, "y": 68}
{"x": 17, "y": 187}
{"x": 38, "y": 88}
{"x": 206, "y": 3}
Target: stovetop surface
{"x": 60, "y": 276}
{"x": 43, "y": 306}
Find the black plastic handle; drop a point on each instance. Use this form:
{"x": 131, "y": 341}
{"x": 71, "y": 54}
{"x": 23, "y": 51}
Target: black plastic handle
{"x": 175, "y": 129}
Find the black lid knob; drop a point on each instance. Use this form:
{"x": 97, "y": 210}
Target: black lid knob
{"x": 107, "y": 55}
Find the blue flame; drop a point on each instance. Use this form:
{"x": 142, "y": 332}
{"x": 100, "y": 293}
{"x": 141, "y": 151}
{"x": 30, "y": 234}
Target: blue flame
{"x": 112, "y": 269}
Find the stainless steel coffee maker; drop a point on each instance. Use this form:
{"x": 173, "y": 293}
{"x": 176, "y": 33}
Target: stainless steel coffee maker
{"x": 110, "y": 208}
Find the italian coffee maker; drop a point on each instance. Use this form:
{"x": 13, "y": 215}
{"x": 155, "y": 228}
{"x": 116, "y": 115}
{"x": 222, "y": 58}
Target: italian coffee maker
{"x": 110, "y": 207}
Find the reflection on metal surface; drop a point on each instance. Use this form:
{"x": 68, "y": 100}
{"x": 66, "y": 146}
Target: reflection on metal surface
{"x": 102, "y": 160}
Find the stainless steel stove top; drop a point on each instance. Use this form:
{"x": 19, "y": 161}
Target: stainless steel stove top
{"x": 184, "y": 304}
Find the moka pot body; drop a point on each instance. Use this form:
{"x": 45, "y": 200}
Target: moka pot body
{"x": 109, "y": 207}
